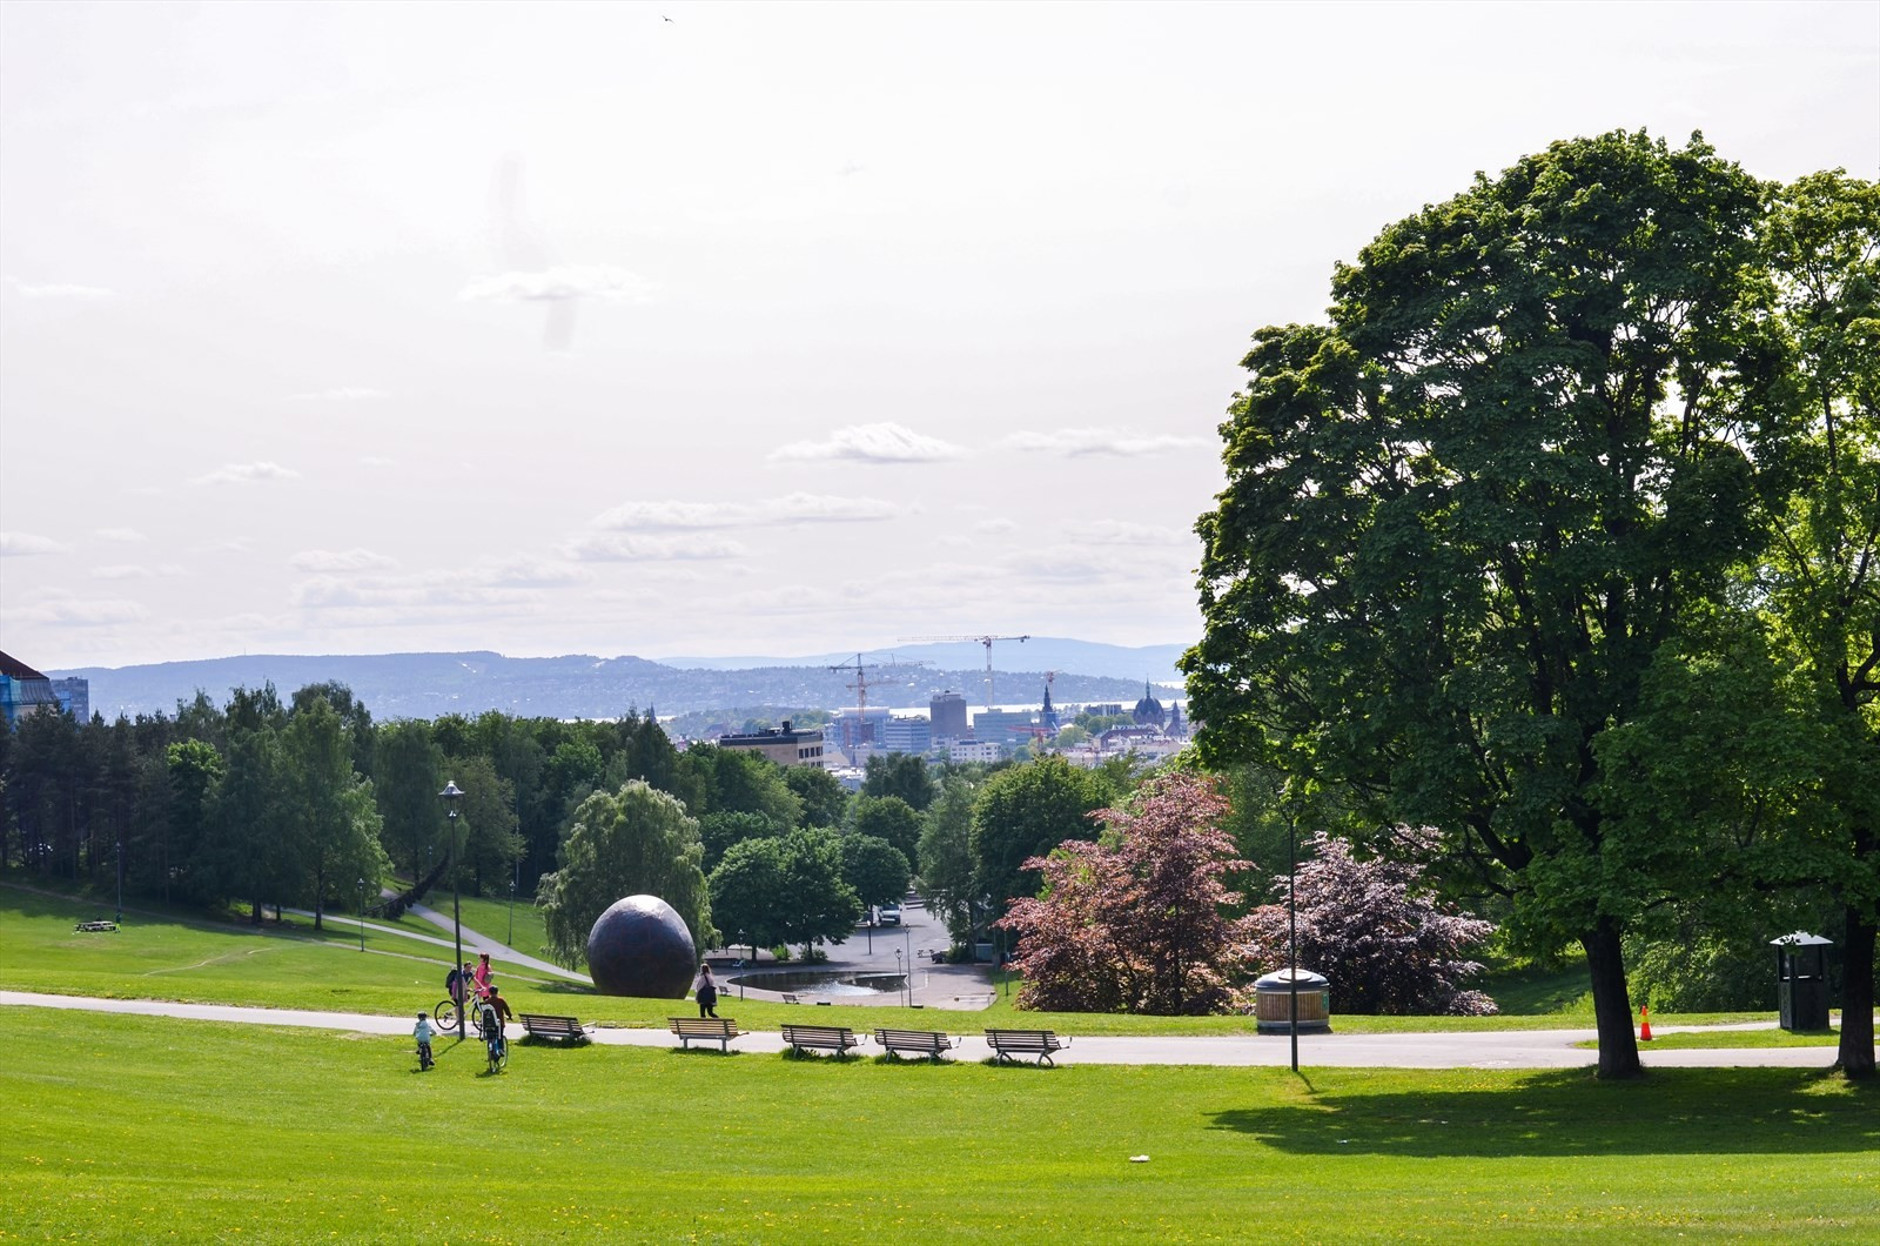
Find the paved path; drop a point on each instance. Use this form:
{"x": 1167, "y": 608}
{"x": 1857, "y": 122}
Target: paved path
{"x": 1510, "y": 1049}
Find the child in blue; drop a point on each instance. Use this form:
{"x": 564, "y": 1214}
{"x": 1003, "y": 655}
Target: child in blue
{"x": 422, "y": 1032}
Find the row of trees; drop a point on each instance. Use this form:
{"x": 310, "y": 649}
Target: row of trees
{"x": 1562, "y": 540}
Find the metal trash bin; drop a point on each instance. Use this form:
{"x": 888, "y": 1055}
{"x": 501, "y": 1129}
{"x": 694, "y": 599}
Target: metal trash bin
{"x": 1802, "y": 980}
{"x": 1272, "y": 1003}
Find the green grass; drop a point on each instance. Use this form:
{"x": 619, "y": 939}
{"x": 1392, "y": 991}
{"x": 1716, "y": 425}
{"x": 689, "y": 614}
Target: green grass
{"x": 139, "y": 1129}
{"x": 191, "y": 958}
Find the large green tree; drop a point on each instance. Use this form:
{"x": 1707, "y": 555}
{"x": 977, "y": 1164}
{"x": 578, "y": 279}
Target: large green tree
{"x": 1822, "y": 577}
{"x": 889, "y": 818}
{"x": 637, "y": 841}
{"x": 947, "y": 876}
{"x": 328, "y": 809}
{"x": 1025, "y": 812}
{"x": 1461, "y": 519}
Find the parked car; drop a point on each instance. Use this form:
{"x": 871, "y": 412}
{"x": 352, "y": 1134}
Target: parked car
{"x": 890, "y": 914}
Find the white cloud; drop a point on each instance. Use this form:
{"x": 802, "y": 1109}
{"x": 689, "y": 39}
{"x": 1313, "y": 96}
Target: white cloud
{"x": 555, "y": 284}
{"x": 872, "y": 443}
{"x": 1079, "y": 442}
{"x": 345, "y": 393}
{"x": 137, "y": 571}
{"x": 795, "y": 508}
{"x": 66, "y": 611}
{"x": 996, "y": 527}
{"x": 27, "y": 544}
{"x": 245, "y": 473}
{"x": 127, "y": 536}
{"x": 523, "y": 571}
{"x": 57, "y": 290}
{"x": 610, "y": 547}
{"x": 373, "y": 460}
{"x": 1122, "y": 532}
{"x": 327, "y": 560}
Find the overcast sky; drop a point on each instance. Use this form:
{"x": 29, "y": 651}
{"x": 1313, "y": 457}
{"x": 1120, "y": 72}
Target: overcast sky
{"x": 780, "y": 329}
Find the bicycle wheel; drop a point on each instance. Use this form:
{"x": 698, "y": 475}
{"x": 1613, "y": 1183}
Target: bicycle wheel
{"x": 446, "y": 1014}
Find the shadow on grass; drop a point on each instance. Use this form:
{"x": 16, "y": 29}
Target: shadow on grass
{"x": 561, "y": 986}
{"x": 1568, "y": 1113}
{"x": 720, "y": 1054}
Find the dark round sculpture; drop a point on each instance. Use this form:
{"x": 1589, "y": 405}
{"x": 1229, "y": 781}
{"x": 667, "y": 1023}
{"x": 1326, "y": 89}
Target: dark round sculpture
{"x": 639, "y": 946}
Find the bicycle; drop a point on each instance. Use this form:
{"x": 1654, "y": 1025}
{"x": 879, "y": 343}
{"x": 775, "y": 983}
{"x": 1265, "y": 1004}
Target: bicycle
{"x": 445, "y": 1013}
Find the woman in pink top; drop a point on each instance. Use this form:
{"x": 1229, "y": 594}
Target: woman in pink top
{"x": 482, "y": 976}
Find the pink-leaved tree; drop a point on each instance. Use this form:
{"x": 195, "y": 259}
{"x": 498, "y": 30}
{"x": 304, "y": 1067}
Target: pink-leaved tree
{"x": 1139, "y": 921}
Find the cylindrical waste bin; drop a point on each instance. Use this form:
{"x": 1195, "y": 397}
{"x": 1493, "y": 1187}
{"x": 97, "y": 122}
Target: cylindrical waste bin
{"x": 1802, "y": 980}
{"x": 1272, "y": 1003}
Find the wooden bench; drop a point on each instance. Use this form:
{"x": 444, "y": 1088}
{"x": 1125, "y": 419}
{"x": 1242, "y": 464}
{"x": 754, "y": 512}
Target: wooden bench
{"x": 1041, "y": 1043}
{"x": 97, "y": 927}
{"x": 560, "y": 1029}
{"x": 720, "y": 1030}
{"x": 836, "y": 1038}
{"x": 790, "y": 999}
{"x": 929, "y": 1043}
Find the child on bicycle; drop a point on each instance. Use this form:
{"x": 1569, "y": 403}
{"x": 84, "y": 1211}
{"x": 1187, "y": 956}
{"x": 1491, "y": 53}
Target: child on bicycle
{"x": 491, "y": 1017}
{"x": 422, "y": 1032}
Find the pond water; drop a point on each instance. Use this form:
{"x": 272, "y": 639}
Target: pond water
{"x": 823, "y": 982}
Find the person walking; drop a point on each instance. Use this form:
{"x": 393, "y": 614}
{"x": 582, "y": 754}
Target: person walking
{"x": 707, "y": 990}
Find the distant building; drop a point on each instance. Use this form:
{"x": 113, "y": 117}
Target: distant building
{"x": 1148, "y": 711}
{"x": 907, "y": 735}
{"x": 974, "y": 750}
{"x": 1005, "y": 727}
{"x": 782, "y": 745}
{"x": 1105, "y": 709}
{"x": 947, "y": 713}
{"x": 24, "y": 691}
{"x": 854, "y": 730}
{"x": 1048, "y": 717}
{"x": 74, "y": 697}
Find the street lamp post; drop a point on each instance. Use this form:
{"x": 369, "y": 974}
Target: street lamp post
{"x": 362, "y": 915}
{"x": 897, "y": 966}
{"x": 1292, "y": 935}
{"x": 452, "y": 796}
{"x": 747, "y": 968}
{"x": 120, "y": 876}
{"x": 511, "y": 940}
{"x": 909, "y": 936}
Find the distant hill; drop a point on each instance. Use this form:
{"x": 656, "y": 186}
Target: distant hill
{"x": 425, "y": 685}
{"x": 1038, "y": 653}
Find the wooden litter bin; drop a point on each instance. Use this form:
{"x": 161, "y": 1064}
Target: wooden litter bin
{"x": 1272, "y": 1003}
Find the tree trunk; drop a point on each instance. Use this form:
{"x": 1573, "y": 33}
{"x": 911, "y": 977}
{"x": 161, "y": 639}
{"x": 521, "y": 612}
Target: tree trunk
{"x": 1855, "y": 1058}
{"x": 1612, "y": 1006}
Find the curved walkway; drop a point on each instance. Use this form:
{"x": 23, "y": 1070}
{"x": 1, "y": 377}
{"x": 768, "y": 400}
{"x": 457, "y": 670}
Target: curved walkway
{"x": 1509, "y": 1049}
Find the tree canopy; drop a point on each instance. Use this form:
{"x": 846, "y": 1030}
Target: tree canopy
{"x": 1462, "y": 518}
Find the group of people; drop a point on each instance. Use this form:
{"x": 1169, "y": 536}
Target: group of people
{"x": 492, "y": 1010}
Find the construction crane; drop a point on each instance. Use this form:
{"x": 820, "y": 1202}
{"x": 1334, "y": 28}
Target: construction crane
{"x": 860, "y": 683}
{"x": 978, "y": 640}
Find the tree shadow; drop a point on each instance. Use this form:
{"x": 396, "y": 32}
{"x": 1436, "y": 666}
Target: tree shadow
{"x": 704, "y": 1051}
{"x": 1569, "y": 1113}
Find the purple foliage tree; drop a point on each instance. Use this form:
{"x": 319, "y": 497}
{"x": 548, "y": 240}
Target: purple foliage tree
{"x": 1373, "y": 929}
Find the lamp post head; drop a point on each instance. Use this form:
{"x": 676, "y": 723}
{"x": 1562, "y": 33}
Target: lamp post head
{"x": 451, "y": 795}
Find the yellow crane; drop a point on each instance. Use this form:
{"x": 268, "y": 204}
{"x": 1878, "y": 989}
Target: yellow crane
{"x": 978, "y": 640}
{"x": 860, "y": 684}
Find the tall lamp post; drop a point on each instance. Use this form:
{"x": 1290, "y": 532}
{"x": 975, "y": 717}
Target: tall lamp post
{"x": 1292, "y": 935}
{"x": 511, "y": 940}
{"x": 362, "y": 915}
{"x": 452, "y": 796}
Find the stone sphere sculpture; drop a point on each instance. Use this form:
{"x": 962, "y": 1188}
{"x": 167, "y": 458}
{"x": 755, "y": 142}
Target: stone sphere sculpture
{"x": 639, "y": 946}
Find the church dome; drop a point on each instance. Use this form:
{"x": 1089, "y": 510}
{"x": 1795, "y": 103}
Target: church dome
{"x": 1148, "y": 710}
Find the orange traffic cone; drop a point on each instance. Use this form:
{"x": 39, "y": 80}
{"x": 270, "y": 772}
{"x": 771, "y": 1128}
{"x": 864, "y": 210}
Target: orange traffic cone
{"x": 1644, "y": 1024}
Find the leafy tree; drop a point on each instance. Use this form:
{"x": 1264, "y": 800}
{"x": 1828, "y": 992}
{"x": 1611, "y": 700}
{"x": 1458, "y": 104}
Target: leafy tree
{"x": 788, "y": 889}
{"x": 889, "y": 818}
{"x": 327, "y": 809}
{"x": 1822, "y": 578}
{"x": 899, "y": 774}
{"x": 719, "y": 831}
{"x": 410, "y": 775}
{"x": 637, "y": 841}
{"x": 247, "y": 852}
{"x": 946, "y": 858}
{"x": 1025, "y": 812}
{"x": 491, "y": 846}
{"x": 825, "y": 800}
{"x": 736, "y": 781}
{"x": 1139, "y": 921}
{"x": 1461, "y": 520}
{"x": 747, "y": 888}
{"x": 875, "y": 869}
{"x": 1374, "y": 929}
{"x": 816, "y": 906}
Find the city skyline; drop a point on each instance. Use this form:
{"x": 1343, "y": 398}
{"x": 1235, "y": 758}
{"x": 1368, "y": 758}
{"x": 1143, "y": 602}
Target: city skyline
{"x": 552, "y": 329}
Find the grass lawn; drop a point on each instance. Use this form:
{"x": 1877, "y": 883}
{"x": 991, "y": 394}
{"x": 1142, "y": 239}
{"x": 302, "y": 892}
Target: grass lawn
{"x": 138, "y": 1129}
{"x": 186, "y": 957}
